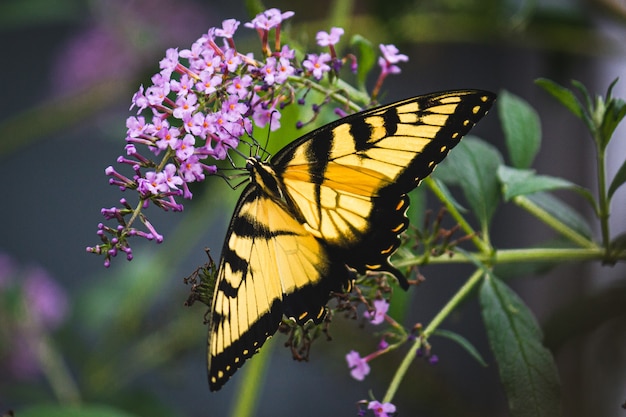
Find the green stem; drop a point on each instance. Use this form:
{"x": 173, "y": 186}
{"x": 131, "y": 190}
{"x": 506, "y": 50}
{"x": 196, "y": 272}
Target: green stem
{"x": 454, "y": 212}
{"x": 249, "y": 388}
{"x": 432, "y": 326}
{"x": 57, "y": 373}
{"x": 553, "y": 222}
{"x": 51, "y": 361}
{"x": 603, "y": 201}
{"x": 513, "y": 256}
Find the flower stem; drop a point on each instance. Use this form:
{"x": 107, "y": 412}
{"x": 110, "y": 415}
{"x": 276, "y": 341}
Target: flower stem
{"x": 483, "y": 246}
{"x": 513, "y": 256}
{"x": 603, "y": 201}
{"x": 554, "y": 223}
{"x": 250, "y": 386}
{"x": 432, "y": 326}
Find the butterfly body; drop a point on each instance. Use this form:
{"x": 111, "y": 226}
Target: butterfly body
{"x": 326, "y": 205}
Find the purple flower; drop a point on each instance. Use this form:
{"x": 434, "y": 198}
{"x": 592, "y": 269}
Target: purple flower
{"x": 239, "y": 86}
{"x": 229, "y": 26}
{"x": 185, "y": 105}
{"x": 184, "y": 148}
{"x": 391, "y": 55}
{"x": 169, "y": 63}
{"x": 268, "y": 19}
{"x": 136, "y": 126}
{"x": 167, "y": 138}
{"x": 380, "y": 310}
{"x": 208, "y": 83}
{"x": 358, "y": 366}
{"x": 269, "y": 71}
{"x": 139, "y": 100}
{"x": 327, "y": 39}
{"x": 231, "y": 60}
{"x": 390, "y": 58}
{"x": 263, "y": 116}
{"x": 381, "y": 409}
{"x": 317, "y": 64}
{"x": 169, "y": 175}
{"x": 45, "y": 298}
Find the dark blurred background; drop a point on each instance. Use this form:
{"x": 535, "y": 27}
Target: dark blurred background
{"x": 70, "y": 68}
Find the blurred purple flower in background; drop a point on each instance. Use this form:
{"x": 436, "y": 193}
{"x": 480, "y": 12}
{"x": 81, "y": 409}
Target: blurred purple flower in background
{"x": 121, "y": 38}
{"x": 32, "y": 304}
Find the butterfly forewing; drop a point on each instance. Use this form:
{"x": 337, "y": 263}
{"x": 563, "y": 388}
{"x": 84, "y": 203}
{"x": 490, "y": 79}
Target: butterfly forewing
{"x": 328, "y": 203}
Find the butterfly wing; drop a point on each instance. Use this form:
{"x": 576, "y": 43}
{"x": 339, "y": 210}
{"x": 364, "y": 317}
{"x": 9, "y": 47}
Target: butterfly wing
{"x": 270, "y": 266}
{"x": 348, "y": 179}
{"x": 337, "y": 199}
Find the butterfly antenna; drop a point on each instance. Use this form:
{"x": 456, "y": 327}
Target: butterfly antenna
{"x": 269, "y": 131}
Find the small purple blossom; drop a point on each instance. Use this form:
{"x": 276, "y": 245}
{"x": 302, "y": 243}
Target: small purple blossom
{"x": 229, "y": 27}
{"x": 327, "y": 39}
{"x": 358, "y": 366}
{"x": 268, "y": 19}
{"x": 380, "y": 310}
{"x": 381, "y": 409}
{"x": 390, "y": 58}
{"x": 45, "y": 298}
{"x": 317, "y": 64}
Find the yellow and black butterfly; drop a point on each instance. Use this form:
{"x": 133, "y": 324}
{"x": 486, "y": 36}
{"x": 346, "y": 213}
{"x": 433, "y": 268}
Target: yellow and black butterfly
{"x": 330, "y": 203}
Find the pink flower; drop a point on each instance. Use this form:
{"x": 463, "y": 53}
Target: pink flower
{"x": 317, "y": 64}
{"x": 208, "y": 82}
{"x": 229, "y": 26}
{"x": 185, "y": 105}
{"x": 380, "y": 310}
{"x": 184, "y": 148}
{"x": 358, "y": 366}
{"x": 268, "y": 19}
{"x": 169, "y": 63}
{"x": 45, "y": 298}
{"x": 390, "y": 58}
{"x": 381, "y": 410}
{"x": 327, "y": 39}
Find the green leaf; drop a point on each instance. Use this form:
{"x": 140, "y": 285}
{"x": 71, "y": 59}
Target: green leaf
{"x": 72, "y": 411}
{"x": 463, "y": 342}
{"x": 367, "y": 58}
{"x": 564, "y": 95}
{"x": 562, "y": 212}
{"x": 527, "y": 369}
{"x": 618, "y": 180}
{"x": 613, "y": 115}
{"x": 522, "y": 181}
{"x": 472, "y": 165}
{"x": 522, "y": 129}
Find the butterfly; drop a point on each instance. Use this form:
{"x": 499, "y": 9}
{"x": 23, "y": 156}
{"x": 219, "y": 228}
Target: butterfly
{"x": 326, "y": 205}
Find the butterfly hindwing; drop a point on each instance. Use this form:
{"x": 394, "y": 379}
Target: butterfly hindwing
{"x": 270, "y": 267}
{"x": 329, "y": 203}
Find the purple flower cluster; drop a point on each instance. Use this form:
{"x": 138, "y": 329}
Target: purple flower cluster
{"x": 200, "y": 105}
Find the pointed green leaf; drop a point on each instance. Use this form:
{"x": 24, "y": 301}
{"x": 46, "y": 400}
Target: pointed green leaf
{"x": 613, "y": 115}
{"x": 562, "y": 212}
{"x": 472, "y": 165}
{"x": 527, "y": 369}
{"x": 367, "y": 58}
{"x": 521, "y": 182}
{"x": 618, "y": 180}
{"x": 564, "y": 95}
{"x": 463, "y": 342}
{"x": 522, "y": 129}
